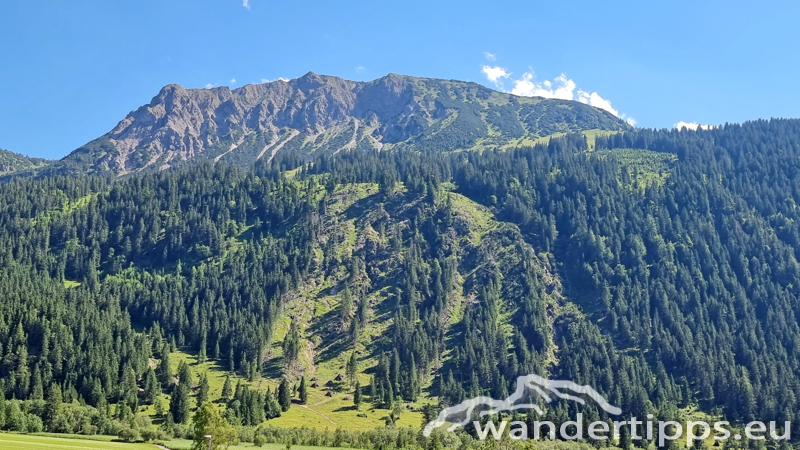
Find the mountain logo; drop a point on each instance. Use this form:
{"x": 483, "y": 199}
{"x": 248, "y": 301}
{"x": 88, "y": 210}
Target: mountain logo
{"x": 529, "y": 387}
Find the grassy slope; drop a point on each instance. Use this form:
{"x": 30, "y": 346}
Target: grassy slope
{"x": 315, "y": 306}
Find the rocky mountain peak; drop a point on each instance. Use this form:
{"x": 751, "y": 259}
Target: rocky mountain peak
{"x": 316, "y": 113}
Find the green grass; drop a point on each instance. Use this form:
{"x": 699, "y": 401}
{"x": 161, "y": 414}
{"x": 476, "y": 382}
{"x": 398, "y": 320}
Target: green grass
{"x": 645, "y": 167}
{"x": 185, "y": 444}
{"x": 77, "y": 442}
{"x": 67, "y": 442}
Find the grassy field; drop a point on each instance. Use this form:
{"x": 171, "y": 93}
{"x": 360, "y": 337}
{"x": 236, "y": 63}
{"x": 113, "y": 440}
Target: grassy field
{"x": 74, "y": 442}
{"x": 35, "y": 442}
{"x": 184, "y": 444}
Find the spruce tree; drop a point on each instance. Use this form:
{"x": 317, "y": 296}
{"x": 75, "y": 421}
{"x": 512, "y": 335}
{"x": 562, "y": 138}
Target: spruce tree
{"x": 284, "y": 395}
{"x": 357, "y": 395}
{"x": 352, "y": 368}
{"x": 184, "y": 374}
{"x": 179, "y": 403}
{"x": 202, "y": 389}
{"x": 227, "y": 389}
{"x": 303, "y": 391}
{"x": 53, "y": 406}
{"x": 151, "y": 388}
{"x": 164, "y": 369}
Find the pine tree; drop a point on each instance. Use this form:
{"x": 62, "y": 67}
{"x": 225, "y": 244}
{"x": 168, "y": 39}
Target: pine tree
{"x": 164, "y": 369}
{"x": 184, "y": 374}
{"x": 201, "y": 354}
{"x": 53, "y": 405}
{"x": 352, "y": 368}
{"x": 227, "y": 389}
{"x": 151, "y": 388}
{"x": 284, "y": 395}
{"x": 357, "y": 395}
{"x": 303, "y": 391}
{"x": 179, "y": 403}
{"x": 414, "y": 387}
{"x": 202, "y": 389}
{"x": 37, "y": 392}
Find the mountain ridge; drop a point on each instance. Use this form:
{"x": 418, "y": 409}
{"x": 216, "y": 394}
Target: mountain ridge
{"x": 11, "y": 162}
{"x": 322, "y": 113}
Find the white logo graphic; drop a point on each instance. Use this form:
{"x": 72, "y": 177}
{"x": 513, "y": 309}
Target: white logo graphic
{"x": 528, "y": 388}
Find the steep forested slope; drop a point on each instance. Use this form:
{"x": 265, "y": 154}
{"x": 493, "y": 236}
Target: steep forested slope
{"x": 660, "y": 267}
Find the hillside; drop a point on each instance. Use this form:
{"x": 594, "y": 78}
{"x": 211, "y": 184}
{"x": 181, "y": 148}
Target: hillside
{"x": 659, "y": 267}
{"x": 11, "y": 162}
{"x": 324, "y": 114}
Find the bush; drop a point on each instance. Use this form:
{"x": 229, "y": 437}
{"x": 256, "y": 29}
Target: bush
{"x": 15, "y": 418}
{"x": 128, "y": 434}
{"x": 149, "y": 434}
{"x": 259, "y": 440}
{"x": 34, "y": 423}
{"x": 246, "y": 434}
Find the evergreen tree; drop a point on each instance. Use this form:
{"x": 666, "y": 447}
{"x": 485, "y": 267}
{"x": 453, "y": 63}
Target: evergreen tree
{"x": 284, "y": 395}
{"x": 164, "y": 369}
{"x": 184, "y": 374}
{"x": 303, "y": 391}
{"x": 352, "y": 368}
{"x": 202, "y": 389}
{"x": 53, "y": 406}
{"x": 179, "y": 403}
{"x": 227, "y": 389}
{"x": 152, "y": 390}
{"x": 357, "y": 395}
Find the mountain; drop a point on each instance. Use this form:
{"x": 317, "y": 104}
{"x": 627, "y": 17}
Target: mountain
{"x": 11, "y": 162}
{"x": 658, "y": 267}
{"x": 325, "y": 114}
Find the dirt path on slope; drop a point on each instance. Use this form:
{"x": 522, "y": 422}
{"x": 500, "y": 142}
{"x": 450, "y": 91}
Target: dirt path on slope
{"x": 314, "y": 410}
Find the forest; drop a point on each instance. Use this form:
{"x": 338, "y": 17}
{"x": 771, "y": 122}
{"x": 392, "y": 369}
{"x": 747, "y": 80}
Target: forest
{"x": 657, "y": 266}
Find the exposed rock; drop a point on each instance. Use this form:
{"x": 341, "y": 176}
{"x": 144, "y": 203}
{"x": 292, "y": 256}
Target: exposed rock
{"x": 315, "y": 113}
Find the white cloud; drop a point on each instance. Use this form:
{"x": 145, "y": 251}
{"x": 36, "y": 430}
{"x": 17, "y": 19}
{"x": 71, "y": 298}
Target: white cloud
{"x": 246, "y": 3}
{"x": 494, "y": 74}
{"x": 360, "y": 69}
{"x": 595, "y": 100}
{"x": 209, "y": 86}
{"x": 233, "y": 80}
{"x": 490, "y": 56}
{"x": 561, "y": 87}
{"x": 692, "y": 126}
{"x": 267, "y": 80}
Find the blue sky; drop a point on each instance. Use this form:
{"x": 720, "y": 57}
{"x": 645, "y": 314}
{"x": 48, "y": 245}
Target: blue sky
{"x": 69, "y": 71}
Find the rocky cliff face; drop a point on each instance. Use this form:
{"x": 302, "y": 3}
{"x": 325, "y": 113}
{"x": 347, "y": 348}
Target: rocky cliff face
{"x": 316, "y": 113}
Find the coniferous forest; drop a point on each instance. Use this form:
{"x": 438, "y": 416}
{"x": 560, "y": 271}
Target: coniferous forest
{"x": 658, "y": 266}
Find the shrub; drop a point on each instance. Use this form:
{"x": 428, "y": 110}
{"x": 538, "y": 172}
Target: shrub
{"x": 128, "y": 434}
